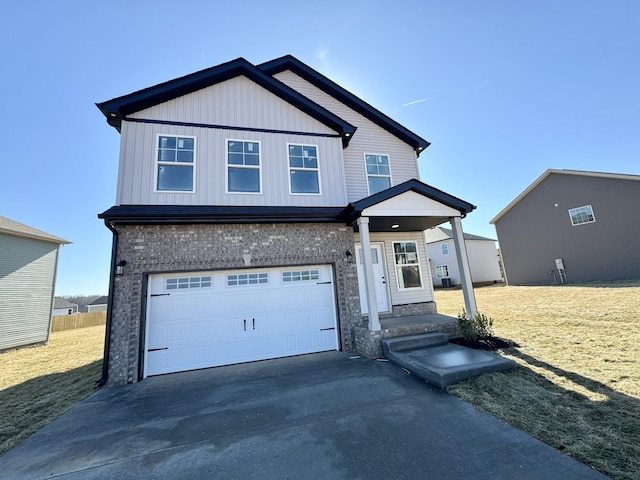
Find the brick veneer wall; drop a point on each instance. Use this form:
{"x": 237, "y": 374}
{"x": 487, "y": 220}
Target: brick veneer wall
{"x": 150, "y": 249}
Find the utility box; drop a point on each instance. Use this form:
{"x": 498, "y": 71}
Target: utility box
{"x": 559, "y": 264}
{"x": 446, "y": 283}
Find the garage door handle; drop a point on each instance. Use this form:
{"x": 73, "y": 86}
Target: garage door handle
{"x": 160, "y": 294}
{"x": 323, "y": 329}
{"x": 254, "y": 323}
{"x": 156, "y": 349}
{"x": 245, "y": 324}
{"x": 323, "y": 283}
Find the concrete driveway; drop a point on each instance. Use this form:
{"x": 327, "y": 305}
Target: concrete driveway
{"x": 321, "y": 416}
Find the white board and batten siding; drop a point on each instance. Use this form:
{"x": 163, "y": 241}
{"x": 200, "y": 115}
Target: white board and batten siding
{"x": 237, "y": 102}
{"x": 408, "y": 295}
{"x": 27, "y": 275}
{"x": 369, "y": 138}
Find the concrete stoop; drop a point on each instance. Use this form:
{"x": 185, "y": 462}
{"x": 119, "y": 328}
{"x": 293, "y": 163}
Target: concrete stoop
{"x": 432, "y": 358}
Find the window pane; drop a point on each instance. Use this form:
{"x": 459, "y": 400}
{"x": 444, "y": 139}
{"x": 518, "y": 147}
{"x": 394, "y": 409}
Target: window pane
{"x": 185, "y": 143}
{"x": 382, "y": 160}
{"x": 234, "y": 146}
{"x": 167, "y": 142}
{"x": 310, "y": 151}
{"x": 383, "y": 169}
{"x": 251, "y": 159}
{"x": 251, "y": 147}
{"x": 175, "y": 178}
{"x": 296, "y": 162}
{"x": 236, "y": 159}
{"x": 166, "y": 155}
{"x": 377, "y": 184}
{"x": 304, "y": 182}
{"x": 372, "y": 169}
{"x": 244, "y": 180}
{"x": 295, "y": 150}
{"x": 409, "y": 276}
{"x": 185, "y": 156}
{"x": 311, "y": 162}
{"x": 371, "y": 159}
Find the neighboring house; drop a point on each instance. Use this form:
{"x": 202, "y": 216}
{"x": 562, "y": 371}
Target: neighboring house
{"x": 572, "y": 226}
{"x": 481, "y": 252}
{"x": 28, "y": 263}
{"x": 62, "y": 306}
{"x": 262, "y": 211}
{"x": 98, "y": 305}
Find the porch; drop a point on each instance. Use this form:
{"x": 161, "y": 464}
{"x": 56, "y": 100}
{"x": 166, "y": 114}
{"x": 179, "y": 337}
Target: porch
{"x": 369, "y": 342}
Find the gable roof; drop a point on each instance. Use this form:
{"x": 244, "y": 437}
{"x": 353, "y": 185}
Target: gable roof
{"x": 100, "y": 301}
{"x": 288, "y": 62}
{"x": 116, "y": 109}
{"x": 21, "y": 230}
{"x": 438, "y": 234}
{"x": 541, "y": 178}
{"x": 59, "y": 302}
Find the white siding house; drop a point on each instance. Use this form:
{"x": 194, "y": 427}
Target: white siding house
{"x": 481, "y": 252}
{"x": 28, "y": 263}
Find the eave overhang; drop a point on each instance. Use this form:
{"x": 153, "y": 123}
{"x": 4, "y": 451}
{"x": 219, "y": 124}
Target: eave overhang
{"x": 294, "y": 65}
{"x": 194, "y": 214}
{"x": 117, "y": 109}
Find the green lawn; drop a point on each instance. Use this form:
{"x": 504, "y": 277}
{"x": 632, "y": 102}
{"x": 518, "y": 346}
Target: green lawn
{"x": 578, "y": 385}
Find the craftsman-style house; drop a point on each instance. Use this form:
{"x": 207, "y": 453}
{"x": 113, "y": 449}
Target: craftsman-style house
{"x": 261, "y": 212}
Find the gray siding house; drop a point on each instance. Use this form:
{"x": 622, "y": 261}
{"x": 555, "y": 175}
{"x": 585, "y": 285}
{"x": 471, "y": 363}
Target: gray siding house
{"x": 572, "y": 226}
{"x": 28, "y": 263}
{"x": 263, "y": 211}
{"x": 62, "y": 306}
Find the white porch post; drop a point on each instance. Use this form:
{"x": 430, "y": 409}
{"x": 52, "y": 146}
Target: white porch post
{"x": 463, "y": 266}
{"x": 367, "y": 264}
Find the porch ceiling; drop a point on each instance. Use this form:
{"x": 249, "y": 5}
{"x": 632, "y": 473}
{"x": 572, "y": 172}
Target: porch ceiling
{"x": 404, "y": 224}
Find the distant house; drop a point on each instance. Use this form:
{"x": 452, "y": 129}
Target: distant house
{"x": 441, "y": 250}
{"x": 572, "y": 226}
{"x": 98, "y": 305}
{"x": 62, "y": 306}
{"x": 28, "y": 263}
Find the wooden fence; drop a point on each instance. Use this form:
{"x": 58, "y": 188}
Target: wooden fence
{"x": 77, "y": 320}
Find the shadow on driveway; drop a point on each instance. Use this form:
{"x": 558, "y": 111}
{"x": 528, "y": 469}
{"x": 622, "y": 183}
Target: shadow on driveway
{"x": 319, "y": 416}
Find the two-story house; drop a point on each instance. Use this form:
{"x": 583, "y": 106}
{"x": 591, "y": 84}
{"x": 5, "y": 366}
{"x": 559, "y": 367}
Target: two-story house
{"x": 261, "y": 212}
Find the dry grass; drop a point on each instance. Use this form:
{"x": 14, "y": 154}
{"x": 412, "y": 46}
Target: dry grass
{"x": 39, "y": 384}
{"x": 579, "y": 386}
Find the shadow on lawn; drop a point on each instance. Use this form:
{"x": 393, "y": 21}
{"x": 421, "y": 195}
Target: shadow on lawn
{"x": 30, "y": 405}
{"x": 604, "y": 434}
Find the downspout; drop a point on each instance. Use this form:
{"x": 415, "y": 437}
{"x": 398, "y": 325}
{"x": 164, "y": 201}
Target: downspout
{"x": 107, "y": 335}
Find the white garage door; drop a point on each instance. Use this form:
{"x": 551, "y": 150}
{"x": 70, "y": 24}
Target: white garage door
{"x": 206, "y": 319}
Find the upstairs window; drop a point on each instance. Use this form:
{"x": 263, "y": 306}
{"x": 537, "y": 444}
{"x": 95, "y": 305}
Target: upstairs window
{"x": 407, "y": 265}
{"x": 445, "y": 249}
{"x": 581, "y": 215}
{"x": 378, "y": 172}
{"x": 175, "y": 162}
{"x": 243, "y": 166}
{"x": 303, "y": 169}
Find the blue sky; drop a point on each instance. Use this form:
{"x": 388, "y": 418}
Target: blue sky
{"x": 502, "y": 89}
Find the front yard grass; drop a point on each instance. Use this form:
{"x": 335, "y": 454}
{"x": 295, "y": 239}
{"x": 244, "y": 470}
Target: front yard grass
{"x": 577, "y": 387}
{"x": 38, "y": 384}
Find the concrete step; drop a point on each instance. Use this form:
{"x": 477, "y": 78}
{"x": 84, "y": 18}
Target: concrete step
{"x": 439, "y": 362}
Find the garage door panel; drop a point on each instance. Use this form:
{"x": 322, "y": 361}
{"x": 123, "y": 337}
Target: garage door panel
{"x": 205, "y": 326}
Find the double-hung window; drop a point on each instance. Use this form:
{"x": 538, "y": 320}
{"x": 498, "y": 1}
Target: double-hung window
{"x": 378, "y": 172}
{"x": 303, "y": 169}
{"x": 442, "y": 271}
{"x": 407, "y": 264}
{"x": 445, "y": 249}
{"x": 175, "y": 163}
{"x": 243, "y": 166}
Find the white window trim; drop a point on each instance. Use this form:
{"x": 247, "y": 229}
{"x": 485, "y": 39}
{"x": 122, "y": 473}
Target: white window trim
{"x": 582, "y": 223}
{"x": 226, "y": 163}
{"x": 304, "y": 169}
{"x": 157, "y": 163}
{"x": 448, "y": 272}
{"x": 395, "y": 265}
{"x": 367, "y": 174}
{"x": 442, "y": 248}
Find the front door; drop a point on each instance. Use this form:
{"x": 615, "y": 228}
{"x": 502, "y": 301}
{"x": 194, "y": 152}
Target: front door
{"x": 380, "y": 280}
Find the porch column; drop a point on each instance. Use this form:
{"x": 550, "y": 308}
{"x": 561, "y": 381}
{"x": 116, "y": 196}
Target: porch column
{"x": 367, "y": 264}
{"x": 463, "y": 266}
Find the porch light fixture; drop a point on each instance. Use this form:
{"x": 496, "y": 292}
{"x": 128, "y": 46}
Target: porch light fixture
{"x": 395, "y": 225}
{"x": 120, "y": 267}
{"x": 349, "y": 256}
